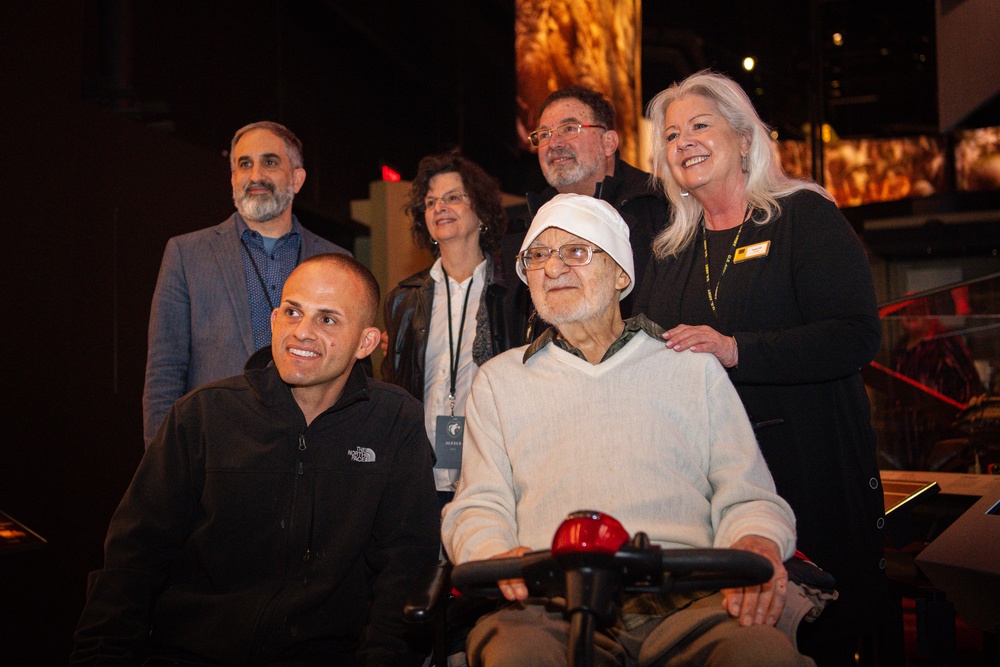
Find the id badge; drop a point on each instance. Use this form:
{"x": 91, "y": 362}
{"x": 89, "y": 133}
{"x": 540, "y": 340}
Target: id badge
{"x": 448, "y": 442}
{"x": 752, "y": 251}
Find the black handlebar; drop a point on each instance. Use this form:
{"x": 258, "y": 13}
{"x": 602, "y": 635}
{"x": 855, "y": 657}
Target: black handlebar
{"x": 648, "y": 569}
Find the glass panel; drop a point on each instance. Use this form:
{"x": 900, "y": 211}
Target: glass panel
{"x": 934, "y": 385}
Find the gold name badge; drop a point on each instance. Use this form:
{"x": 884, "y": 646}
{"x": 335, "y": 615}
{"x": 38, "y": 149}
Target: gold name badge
{"x": 751, "y": 251}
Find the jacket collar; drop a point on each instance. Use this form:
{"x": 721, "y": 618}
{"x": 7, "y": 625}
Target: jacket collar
{"x": 617, "y": 189}
{"x": 262, "y": 376}
{"x": 494, "y": 275}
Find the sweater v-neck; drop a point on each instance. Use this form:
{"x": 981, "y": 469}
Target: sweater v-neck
{"x": 596, "y": 370}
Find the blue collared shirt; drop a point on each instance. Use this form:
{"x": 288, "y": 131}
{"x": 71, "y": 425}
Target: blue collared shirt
{"x": 274, "y": 268}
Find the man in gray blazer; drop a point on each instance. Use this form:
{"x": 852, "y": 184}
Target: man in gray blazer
{"x": 217, "y": 286}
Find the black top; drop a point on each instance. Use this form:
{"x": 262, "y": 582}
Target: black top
{"x": 805, "y": 320}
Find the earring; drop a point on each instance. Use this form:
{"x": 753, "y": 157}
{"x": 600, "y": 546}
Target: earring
{"x": 685, "y": 194}
{"x": 483, "y": 228}
{"x": 745, "y": 164}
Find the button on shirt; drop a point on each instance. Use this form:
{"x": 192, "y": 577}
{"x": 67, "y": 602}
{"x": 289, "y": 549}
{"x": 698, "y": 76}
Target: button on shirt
{"x": 437, "y": 377}
{"x": 274, "y": 266}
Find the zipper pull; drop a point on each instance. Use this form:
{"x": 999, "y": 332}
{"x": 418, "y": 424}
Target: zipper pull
{"x": 302, "y": 442}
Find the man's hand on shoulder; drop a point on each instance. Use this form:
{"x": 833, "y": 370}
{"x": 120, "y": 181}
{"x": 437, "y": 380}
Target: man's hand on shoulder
{"x": 513, "y": 589}
{"x": 756, "y": 605}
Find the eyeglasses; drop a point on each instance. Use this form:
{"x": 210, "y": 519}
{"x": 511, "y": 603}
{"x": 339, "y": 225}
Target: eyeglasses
{"x": 448, "y": 199}
{"x": 568, "y": 131}
{"x": 572, "y": 254}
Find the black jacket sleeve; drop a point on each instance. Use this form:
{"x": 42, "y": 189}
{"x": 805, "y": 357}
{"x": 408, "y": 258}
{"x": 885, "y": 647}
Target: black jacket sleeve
{"x": 406, "y": 536}
{"x": 146, "y": 534}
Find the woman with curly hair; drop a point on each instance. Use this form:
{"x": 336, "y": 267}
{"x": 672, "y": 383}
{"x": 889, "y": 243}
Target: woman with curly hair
{"x": 446, "y": 321}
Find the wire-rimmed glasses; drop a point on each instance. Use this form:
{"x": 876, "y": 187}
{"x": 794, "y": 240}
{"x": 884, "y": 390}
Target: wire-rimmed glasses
{"x": 448, "y": 199}
{"x": 571, "y": 254}
{"x": 567, "y": 131}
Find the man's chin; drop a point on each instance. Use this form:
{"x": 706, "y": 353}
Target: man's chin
{"x": 562, "y": 179}
{"x": 558, "y": 316}
{"x": 252, "y": 215}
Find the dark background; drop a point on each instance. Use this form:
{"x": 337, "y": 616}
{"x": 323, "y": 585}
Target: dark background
{"x": 116, "y": 120}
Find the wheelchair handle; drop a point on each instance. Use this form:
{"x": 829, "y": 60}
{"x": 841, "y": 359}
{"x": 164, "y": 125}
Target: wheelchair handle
{"x": 476, "y": 574}
{"x": 648, "y": 569}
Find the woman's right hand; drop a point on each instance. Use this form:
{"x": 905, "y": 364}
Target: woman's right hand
{"x": 703, "y": 338}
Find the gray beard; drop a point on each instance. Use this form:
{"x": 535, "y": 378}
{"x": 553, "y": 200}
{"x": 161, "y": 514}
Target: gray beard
{"x": 584, "y": 309}
{"x": 568, "y": 174}
{"x": 262, "y": 208}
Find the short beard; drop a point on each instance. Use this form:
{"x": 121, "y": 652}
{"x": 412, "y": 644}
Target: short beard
{"x": 262, "y": 208}
{"x": 583, "y": 310}
{"x": 567, "y": 174}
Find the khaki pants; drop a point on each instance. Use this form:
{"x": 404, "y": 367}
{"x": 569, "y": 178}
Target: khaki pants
{"x": 701, "y": 633}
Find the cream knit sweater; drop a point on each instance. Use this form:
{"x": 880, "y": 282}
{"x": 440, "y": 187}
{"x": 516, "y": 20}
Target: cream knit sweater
{"x": 655, "y": 438}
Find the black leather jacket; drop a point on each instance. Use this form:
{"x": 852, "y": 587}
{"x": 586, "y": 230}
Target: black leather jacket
{"x": 407, "y": 320}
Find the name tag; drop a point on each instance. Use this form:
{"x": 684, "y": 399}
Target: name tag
{"x": 448, "y": 442}
{"x": 751, "y": 251}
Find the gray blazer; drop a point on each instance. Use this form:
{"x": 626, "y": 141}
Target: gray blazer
{"x": 199, "y": 323}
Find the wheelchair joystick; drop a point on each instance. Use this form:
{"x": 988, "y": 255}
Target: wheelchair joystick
{"x": 585, "y": 545}
{"x": 588, "y": 531}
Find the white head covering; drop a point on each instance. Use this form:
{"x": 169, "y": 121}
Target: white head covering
{"x": 589, "y": 218}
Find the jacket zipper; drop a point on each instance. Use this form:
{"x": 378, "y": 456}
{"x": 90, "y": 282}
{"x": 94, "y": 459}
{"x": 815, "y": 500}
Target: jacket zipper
{"x": 312, "y": 501}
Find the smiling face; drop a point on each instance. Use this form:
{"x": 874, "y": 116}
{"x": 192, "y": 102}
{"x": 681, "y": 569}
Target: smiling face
{"x": 703, "y": 150}
{"x": 320, "y": 330}
{"x": 264, "y": 181}
{"x": 576, "y": 165}
{"x": 574, "y": 294}
{"x": 447, "y": 223}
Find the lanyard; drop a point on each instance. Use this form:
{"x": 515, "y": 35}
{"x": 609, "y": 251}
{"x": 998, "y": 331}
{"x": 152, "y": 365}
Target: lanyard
{"x": 713, "y": 296}
{"x": 256, "y": 269}
{"x": 454, "y": 351}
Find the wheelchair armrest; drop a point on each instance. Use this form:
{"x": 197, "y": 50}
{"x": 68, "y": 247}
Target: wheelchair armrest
{"x": 429, "y": 592}
{"x": 804, "y": 572}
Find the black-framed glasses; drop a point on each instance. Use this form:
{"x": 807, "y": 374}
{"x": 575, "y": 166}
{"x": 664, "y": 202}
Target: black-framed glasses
{"x": 448, "y": 199}
{"x": 567, "y": 131}
{"x": 571, "y": 254}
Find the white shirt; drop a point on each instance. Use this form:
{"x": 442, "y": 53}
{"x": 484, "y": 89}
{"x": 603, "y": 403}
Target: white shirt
{"x": 437, "y": 377}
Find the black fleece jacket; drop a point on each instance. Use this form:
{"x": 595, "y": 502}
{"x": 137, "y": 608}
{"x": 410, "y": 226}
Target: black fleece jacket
{"x": 247, "y": 537}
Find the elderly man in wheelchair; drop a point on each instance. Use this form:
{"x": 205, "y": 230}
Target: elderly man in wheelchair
{"x": 599, "y": 413}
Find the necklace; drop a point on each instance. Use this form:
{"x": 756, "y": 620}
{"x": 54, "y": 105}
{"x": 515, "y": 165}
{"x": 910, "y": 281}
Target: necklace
{"x": 714, "y": 295}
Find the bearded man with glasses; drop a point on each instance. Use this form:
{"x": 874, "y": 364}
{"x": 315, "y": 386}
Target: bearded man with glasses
{"x": 578, "y": 153}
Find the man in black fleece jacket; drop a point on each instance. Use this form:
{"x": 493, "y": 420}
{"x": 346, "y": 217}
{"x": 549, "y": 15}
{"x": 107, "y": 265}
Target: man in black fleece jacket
{"x": 279, "y": 516}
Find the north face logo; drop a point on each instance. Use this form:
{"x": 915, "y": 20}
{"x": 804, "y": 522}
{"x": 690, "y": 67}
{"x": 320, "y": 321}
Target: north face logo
{"x": 362, "y": 455}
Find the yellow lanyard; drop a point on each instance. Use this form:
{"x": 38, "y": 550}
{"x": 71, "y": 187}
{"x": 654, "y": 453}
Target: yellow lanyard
{"x": 712, "y": 296}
